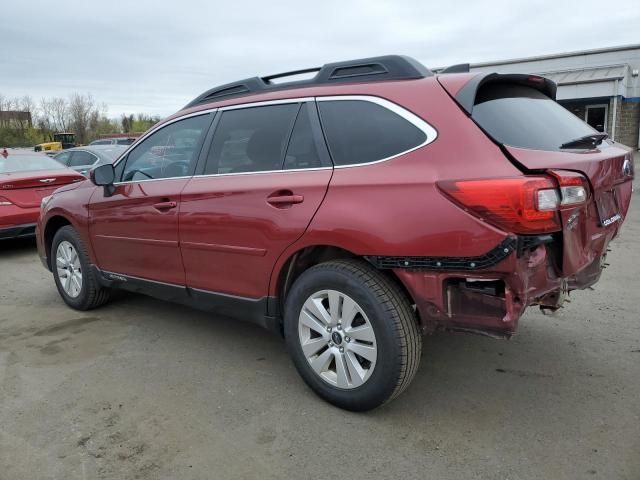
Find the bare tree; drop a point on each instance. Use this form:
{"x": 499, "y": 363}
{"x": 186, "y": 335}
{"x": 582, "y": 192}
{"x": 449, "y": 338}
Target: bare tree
{"x": 82, "y": 109}
{"x": 60, "y": 111}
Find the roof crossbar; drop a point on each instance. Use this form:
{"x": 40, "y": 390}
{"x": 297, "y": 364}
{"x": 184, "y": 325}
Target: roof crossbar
{"x": 388, "y": 67}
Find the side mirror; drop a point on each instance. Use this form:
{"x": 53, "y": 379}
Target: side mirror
{"x": 104, "y": 175}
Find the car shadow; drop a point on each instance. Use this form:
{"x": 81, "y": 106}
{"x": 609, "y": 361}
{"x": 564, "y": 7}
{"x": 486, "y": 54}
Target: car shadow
{"x": 17, "y": 245}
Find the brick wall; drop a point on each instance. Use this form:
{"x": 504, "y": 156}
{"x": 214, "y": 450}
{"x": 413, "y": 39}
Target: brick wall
{"x": 628, "y": 123}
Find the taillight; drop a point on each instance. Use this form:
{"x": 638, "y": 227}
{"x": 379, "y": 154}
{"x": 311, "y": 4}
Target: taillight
{"x": 520, "y": 204}
{"x": 4, "y": 202}
{"x": 574, "y": 189}
{"x": 526, "y": 205}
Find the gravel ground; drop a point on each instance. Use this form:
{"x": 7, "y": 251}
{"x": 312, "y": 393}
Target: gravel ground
{"x": 146, "y": 389}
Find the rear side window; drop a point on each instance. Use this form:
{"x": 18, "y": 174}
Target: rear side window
{"x": 306, "y": 149}
{"x": 251, "y": 139}
{"x": 359, "y": 131}
{"x": 521, "y": 116}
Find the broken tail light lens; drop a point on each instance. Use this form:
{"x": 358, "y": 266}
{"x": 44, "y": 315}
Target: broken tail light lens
{"x": 525, "y": 205}
{"x": 574, "y": 189}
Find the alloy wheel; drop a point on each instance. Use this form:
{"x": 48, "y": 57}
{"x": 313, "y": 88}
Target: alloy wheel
{"x": 69, "y": 269}
{"x": 337, "y": 339}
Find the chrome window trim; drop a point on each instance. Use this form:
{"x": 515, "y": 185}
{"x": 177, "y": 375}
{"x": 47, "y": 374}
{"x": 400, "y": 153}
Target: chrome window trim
{"x": 291, "y": 170}
{"x": 265, "y": 103}
{"x": 430, "y": 133}
{"x": 270, "y": 172}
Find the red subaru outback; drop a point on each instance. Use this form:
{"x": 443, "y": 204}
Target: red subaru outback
{"x": 353, "y": 211}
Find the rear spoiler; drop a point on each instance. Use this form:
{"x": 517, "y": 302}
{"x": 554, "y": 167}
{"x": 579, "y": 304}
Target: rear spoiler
{"x": 466, "y": 97}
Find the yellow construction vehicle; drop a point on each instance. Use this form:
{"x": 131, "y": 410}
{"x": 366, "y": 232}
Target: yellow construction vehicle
{"x": 61, "y": 140}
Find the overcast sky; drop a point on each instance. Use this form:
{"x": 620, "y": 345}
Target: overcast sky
{"x": 155, "y": 56}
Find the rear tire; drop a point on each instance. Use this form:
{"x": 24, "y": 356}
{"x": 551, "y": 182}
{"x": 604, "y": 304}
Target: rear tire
{"x": 352, "y": 334}
{"x": 74, "y": 277}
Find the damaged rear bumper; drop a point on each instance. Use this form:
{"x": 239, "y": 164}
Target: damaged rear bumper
{"x": 491, "y": 299}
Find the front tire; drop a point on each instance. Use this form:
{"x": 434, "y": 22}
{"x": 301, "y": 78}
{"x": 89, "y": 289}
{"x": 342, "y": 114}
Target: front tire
{"x": 352, "y": 334}
{"x": 74, "y": 277}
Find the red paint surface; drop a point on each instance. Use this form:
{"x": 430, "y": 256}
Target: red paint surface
{"x": 25, "y": 191}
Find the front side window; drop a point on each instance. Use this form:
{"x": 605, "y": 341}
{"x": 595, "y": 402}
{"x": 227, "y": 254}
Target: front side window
{"x": 251, "y": 139}
{"x": 81, "y": 158}
{"x": 360, "y": 131}
{"x": 169, "y": 152}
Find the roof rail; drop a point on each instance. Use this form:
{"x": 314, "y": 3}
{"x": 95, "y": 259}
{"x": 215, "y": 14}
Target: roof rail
{"x": 458, "y": 68}
{"x": 388, "y": 67}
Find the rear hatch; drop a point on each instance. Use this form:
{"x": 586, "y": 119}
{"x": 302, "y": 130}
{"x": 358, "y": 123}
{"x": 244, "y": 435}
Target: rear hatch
{"x": 27, "y": 189}
{"x": 539, "y": 136}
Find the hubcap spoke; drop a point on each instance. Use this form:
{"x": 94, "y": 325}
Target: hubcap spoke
{"x": 365, "y": 351}
{"x": 334, "y": 306}
{"x": 60, "y": 262}
{"x": 316, "y": 308}
{"x": 356, "y": 372}
{"x": 363, "y": 333}
{"x": 313, "y": 345}
{"x": 349, "y": 311}
{"x": 75, "y": 261}
{"x": 322, "y": 361}
{"x": 341, "y": 354}
{"x": 342, "y": 374}
{"x": 313, "y": 323}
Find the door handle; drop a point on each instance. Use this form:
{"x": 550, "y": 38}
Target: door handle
{"x": 284, "y": 200}
{"x": 165, "y": 205}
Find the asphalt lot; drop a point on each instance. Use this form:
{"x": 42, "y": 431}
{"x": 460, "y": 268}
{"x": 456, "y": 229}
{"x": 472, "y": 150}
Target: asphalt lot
{"x": 146, "y": 389}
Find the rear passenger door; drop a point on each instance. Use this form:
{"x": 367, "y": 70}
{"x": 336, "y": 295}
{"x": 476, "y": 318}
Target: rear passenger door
{"x": 266, "y": 174}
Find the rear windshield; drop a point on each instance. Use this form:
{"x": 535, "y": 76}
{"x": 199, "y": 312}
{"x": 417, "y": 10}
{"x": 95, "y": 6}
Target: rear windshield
{"x": 26, "y": 163}
{"x": 521, "y": 116}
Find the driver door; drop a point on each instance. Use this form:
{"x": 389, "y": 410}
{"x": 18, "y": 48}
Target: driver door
{"x": 134, "y": 231}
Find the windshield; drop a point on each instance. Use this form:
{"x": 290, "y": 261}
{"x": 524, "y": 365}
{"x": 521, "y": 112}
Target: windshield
{"x": 521, "y": 116}
{"x": 27, "y": 163}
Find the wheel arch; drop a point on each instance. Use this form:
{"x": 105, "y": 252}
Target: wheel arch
{"x": 291, "y": 265}
{"x": 54, "y": 223}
